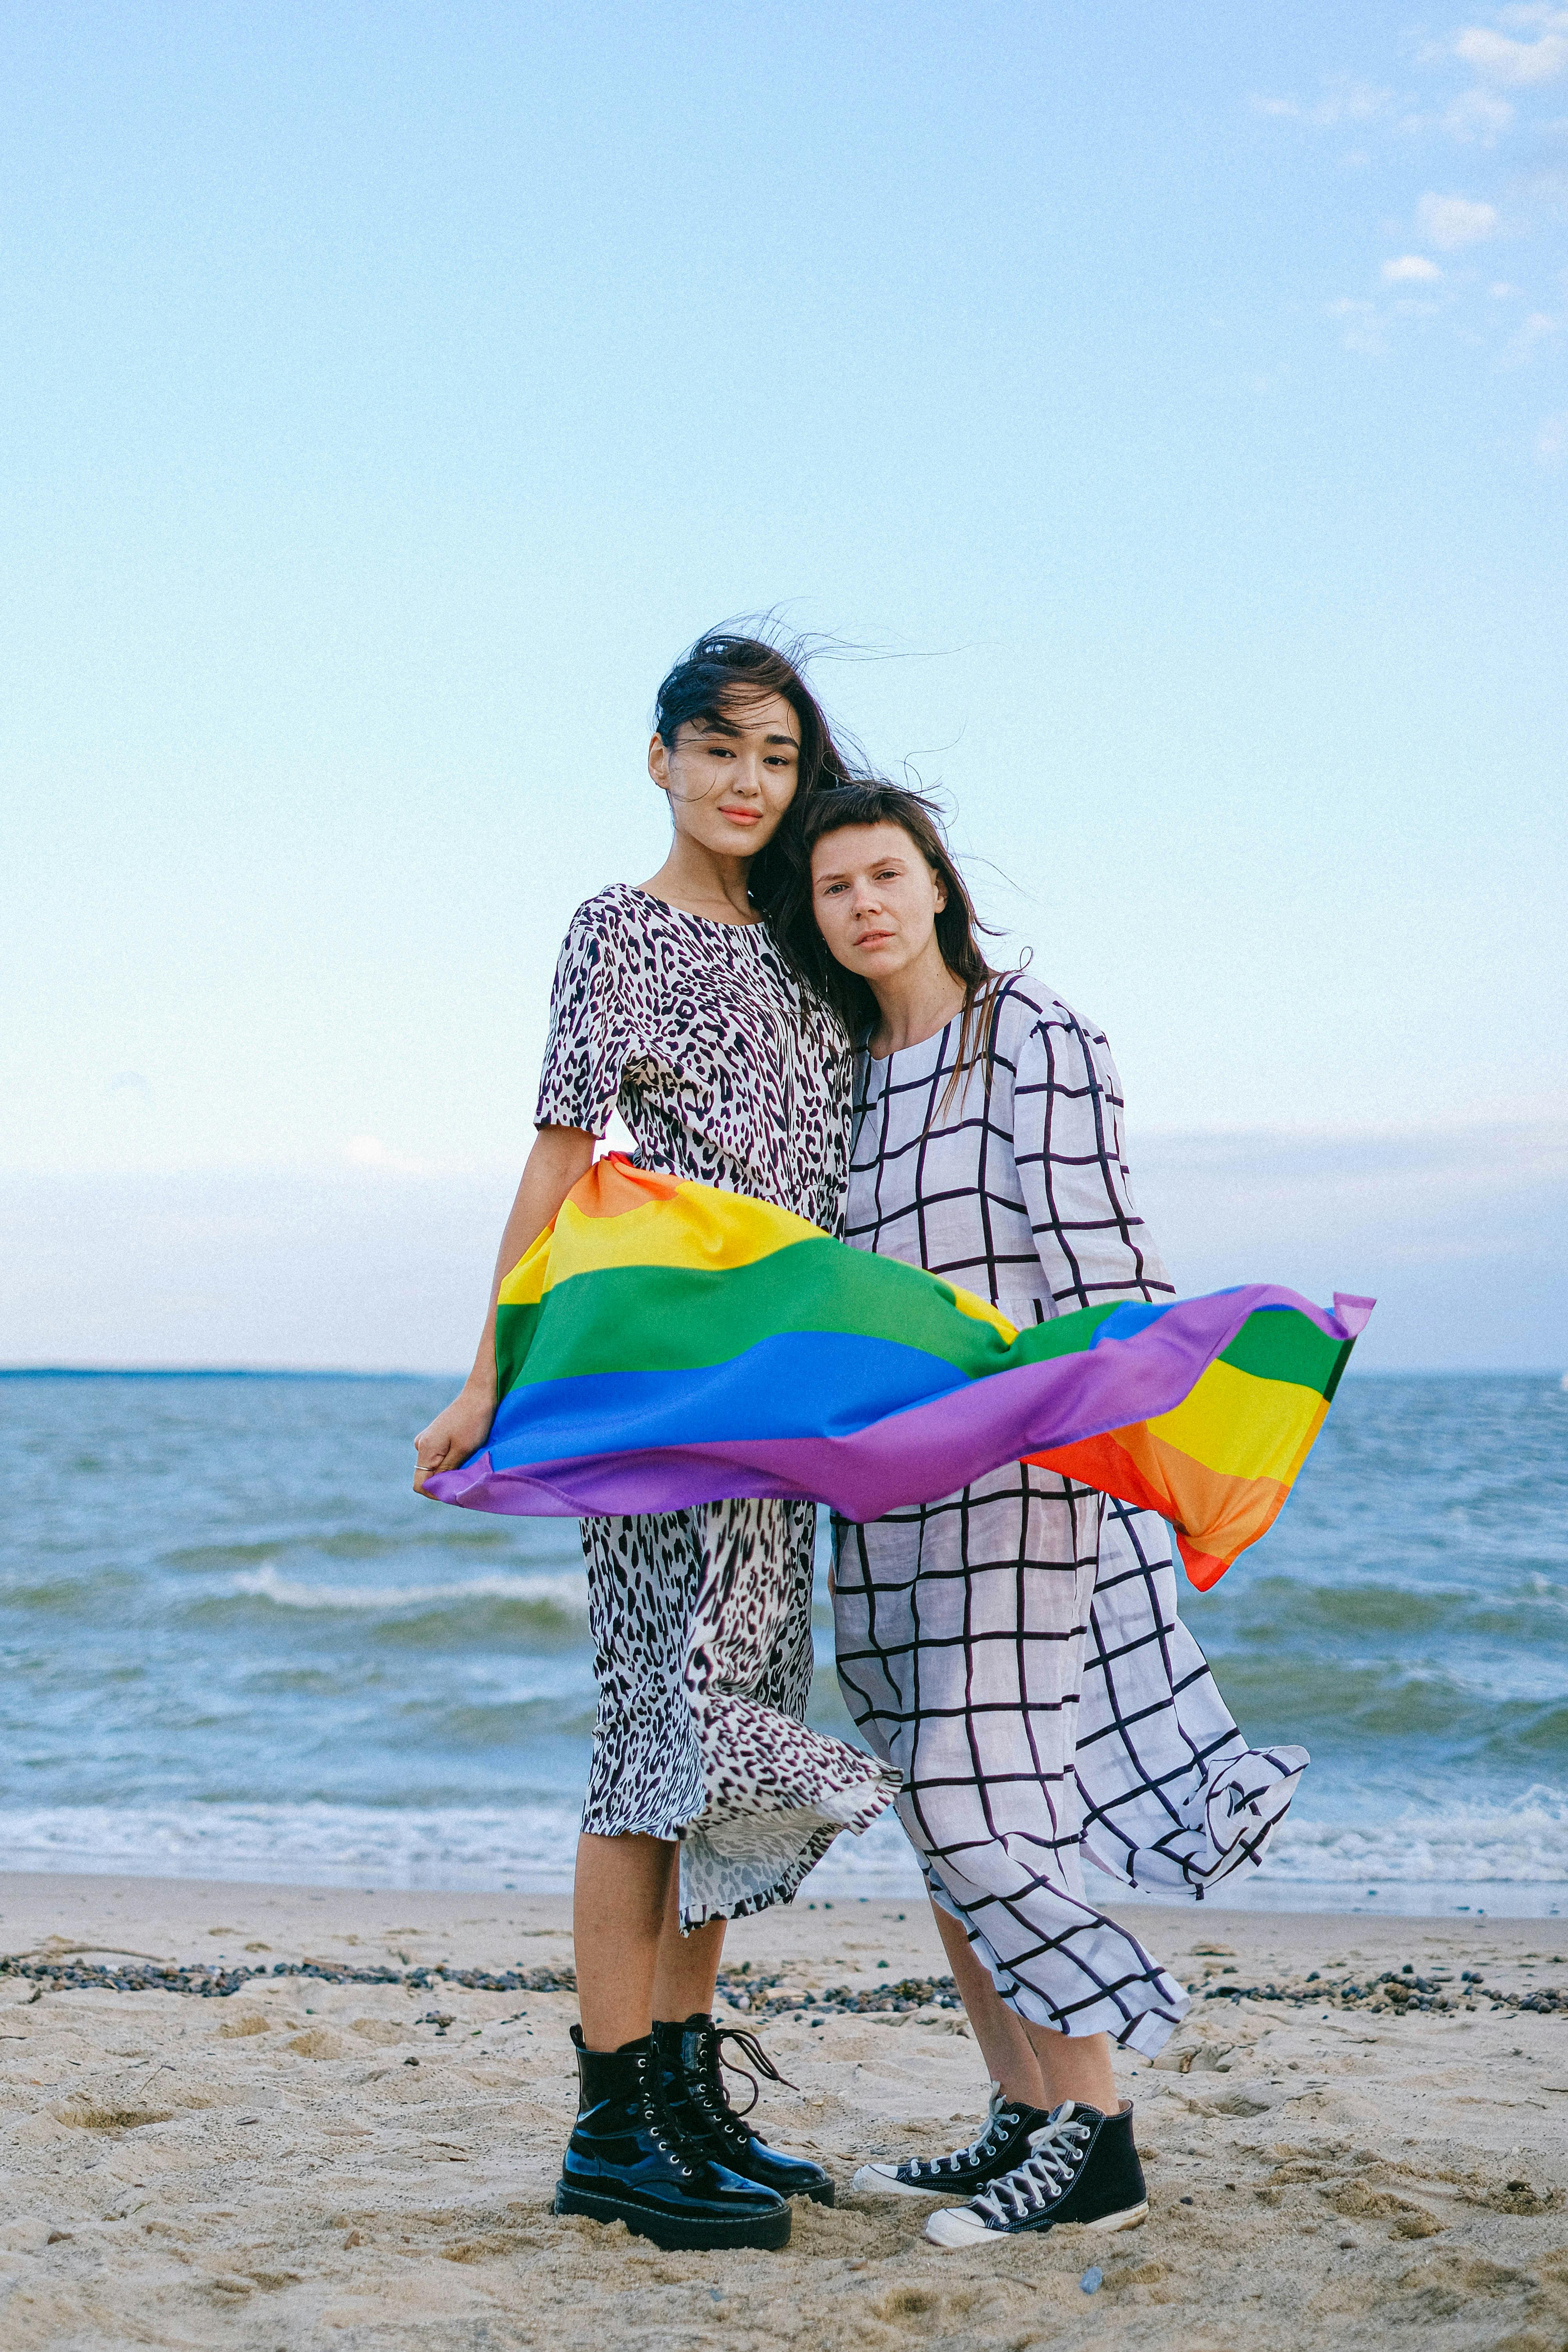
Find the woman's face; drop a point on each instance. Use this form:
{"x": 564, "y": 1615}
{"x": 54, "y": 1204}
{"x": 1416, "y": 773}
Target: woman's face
{"x": 876, "y": 900}
{"x": 730, "y": 780}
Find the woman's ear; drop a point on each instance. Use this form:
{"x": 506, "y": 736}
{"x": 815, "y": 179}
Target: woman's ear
{"x": 659, "y": 762}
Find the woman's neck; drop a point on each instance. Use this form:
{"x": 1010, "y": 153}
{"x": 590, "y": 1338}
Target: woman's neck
{"x": 914, "y": 1003}
{"x": 699, "y": 882}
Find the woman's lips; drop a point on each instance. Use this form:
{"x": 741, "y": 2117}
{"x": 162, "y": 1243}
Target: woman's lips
{"x": 742, "y": 815}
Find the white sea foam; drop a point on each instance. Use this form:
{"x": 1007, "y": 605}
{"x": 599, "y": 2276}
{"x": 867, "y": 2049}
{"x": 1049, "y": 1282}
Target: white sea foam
{"x": 1510, "y": 1862}
{"x": 1522, "y": 1843}
{"x": 527, "y": 1846}
{"x": 567, "y": 1589}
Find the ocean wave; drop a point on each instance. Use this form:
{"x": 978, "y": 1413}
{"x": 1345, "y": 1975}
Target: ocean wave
{"x": 503, "y": 1723}
{"x": 1511, "y": 1858}
{"x": 69, "y": 1596}
{"x": 1524, "y": 1842}
{"x": 565, "y": 1589}
{"x": 462, "y": 1533}
{"x": 526, "y": 1847}
{"x": 1488, "y": 1703}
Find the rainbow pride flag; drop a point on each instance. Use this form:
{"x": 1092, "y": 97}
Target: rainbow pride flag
{"x": 664, "y": 1344}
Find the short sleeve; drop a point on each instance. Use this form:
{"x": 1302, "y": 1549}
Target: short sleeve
{"x": 1068, "y": 1147}
{"x": 585, "y": 1050}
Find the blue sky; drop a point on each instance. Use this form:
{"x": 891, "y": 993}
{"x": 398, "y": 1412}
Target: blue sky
{"x": 1170, "y": 403}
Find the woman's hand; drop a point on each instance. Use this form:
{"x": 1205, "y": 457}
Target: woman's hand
{"x": 453, "y": 1436}
{"x": 559, "y": 1157}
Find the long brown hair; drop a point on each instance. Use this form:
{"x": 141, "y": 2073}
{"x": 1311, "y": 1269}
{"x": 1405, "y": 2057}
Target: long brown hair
{"x": 727, "y": 668}
{"x": 852, "y": 998}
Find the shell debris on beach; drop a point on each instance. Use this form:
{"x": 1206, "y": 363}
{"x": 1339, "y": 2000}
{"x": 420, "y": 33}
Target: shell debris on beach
{"x": 298, "y": 2125}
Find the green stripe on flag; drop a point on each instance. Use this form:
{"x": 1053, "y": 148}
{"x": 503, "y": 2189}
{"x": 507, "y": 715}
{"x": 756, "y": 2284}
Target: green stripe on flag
{"x": 671, "y": 1318}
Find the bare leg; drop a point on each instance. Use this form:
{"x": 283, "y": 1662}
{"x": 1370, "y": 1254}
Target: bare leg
{"x": 1030, "y": 2061}
{"x": 618, "y": 1904}
{"x": 687, "y": 1967}
{"x": 1008, "y": 2052}
{"x": 1075, "y": 2066}
{"x": 632, "y": 1959}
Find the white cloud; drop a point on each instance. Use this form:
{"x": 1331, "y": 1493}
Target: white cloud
{"x": 1540, "y": 327}
{"x": 1410, "y": 269}
{"x": 1451, "y": 222}
{"x": 1361, "y": 328}
{"x": 1518, "y": 64}
{"x": 1479, "y": 114}
{"x": 1345, "y": 101}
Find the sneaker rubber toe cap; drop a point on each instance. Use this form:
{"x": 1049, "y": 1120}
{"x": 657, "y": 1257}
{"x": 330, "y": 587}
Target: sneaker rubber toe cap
{"x": 882, "y": 2181}
{"x": 955, "y": 2225}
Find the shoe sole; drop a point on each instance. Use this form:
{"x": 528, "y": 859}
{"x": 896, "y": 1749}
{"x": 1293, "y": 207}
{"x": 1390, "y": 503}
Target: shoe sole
{"x": 869, "y": 2182}
{"x": 1130, "y": 2218}
{"x": 823, "y": 2196}
{"x": 770, "y": 2233}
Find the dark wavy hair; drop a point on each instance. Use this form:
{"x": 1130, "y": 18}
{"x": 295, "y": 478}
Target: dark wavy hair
{"x": 858, "y": 801}
{"x": 725, "y": 668}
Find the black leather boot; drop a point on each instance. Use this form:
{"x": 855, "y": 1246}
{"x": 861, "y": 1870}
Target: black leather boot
{"x": 700, "y": 2105}
{"x": 628, "y": 2161}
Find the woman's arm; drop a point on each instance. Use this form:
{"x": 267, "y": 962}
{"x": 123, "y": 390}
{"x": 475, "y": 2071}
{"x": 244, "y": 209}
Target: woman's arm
{"x": 559, "y": 1155}
{"x": 1067, "y": 1145}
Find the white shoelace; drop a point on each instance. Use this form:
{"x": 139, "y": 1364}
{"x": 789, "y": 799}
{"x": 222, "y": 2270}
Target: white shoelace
{"x": 1001, "y": 2114}
{"x": 1045, "y": 2173}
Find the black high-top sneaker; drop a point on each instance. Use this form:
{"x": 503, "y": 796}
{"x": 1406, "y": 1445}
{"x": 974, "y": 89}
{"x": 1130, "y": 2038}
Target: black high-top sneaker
{"x": 1001, "y": 2143}
{"x": 1081, "y": 2167}
{"x": 628, "y": 2161}
{"x": 699, "y": 2106}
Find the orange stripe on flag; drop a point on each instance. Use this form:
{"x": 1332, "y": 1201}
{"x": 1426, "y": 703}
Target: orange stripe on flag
{"x": 612, "y": 1185}
{"x": 1219, "y": 1515}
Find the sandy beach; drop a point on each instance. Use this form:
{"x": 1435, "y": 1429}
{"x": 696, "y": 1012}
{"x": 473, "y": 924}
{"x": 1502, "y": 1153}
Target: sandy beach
{"x": 306, "y": 2162}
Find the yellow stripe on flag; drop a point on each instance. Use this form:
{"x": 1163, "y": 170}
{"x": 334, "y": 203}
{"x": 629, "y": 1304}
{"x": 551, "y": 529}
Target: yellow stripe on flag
{"x": 1243, "y": 1426}
{"x": 699, "y": 1230}
{"x": 980, "y": 1310}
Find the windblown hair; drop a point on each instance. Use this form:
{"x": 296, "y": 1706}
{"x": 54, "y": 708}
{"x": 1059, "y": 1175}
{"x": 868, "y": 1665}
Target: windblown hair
{"x": 858, "y": 801}
{"x": 721, "y": 673}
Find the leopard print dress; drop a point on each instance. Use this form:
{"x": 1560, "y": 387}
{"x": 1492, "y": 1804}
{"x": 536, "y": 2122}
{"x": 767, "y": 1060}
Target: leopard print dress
{"x": 729, "y": 1073}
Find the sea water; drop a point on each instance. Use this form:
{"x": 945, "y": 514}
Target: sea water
{"x": 234, "y": 1643}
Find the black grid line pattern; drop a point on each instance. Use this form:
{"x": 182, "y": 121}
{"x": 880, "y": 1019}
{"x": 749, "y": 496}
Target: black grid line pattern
{"x": 1174, "y": 1799}
{"x": 1019, "y": 1189}
{"x": 1014, "y": 1649}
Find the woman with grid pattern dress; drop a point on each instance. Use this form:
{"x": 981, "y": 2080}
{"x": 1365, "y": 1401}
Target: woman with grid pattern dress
{"x": 1014, "y": 1649}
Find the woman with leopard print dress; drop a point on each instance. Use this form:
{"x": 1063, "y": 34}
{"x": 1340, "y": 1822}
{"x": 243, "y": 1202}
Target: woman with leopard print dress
{"x": 708, "y": 1795}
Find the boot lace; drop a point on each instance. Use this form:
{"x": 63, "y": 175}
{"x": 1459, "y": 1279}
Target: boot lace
{"x": 662, "y": 2127}
{"x": 1056, "y": 2151}
{"x": 707, "y": 2088}
{"x": 1001, "y": 2118}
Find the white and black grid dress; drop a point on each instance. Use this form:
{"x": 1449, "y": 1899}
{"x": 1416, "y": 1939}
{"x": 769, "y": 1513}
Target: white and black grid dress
{"x": 1014, "y": 1649}
{"x": 728, "y": 1073}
